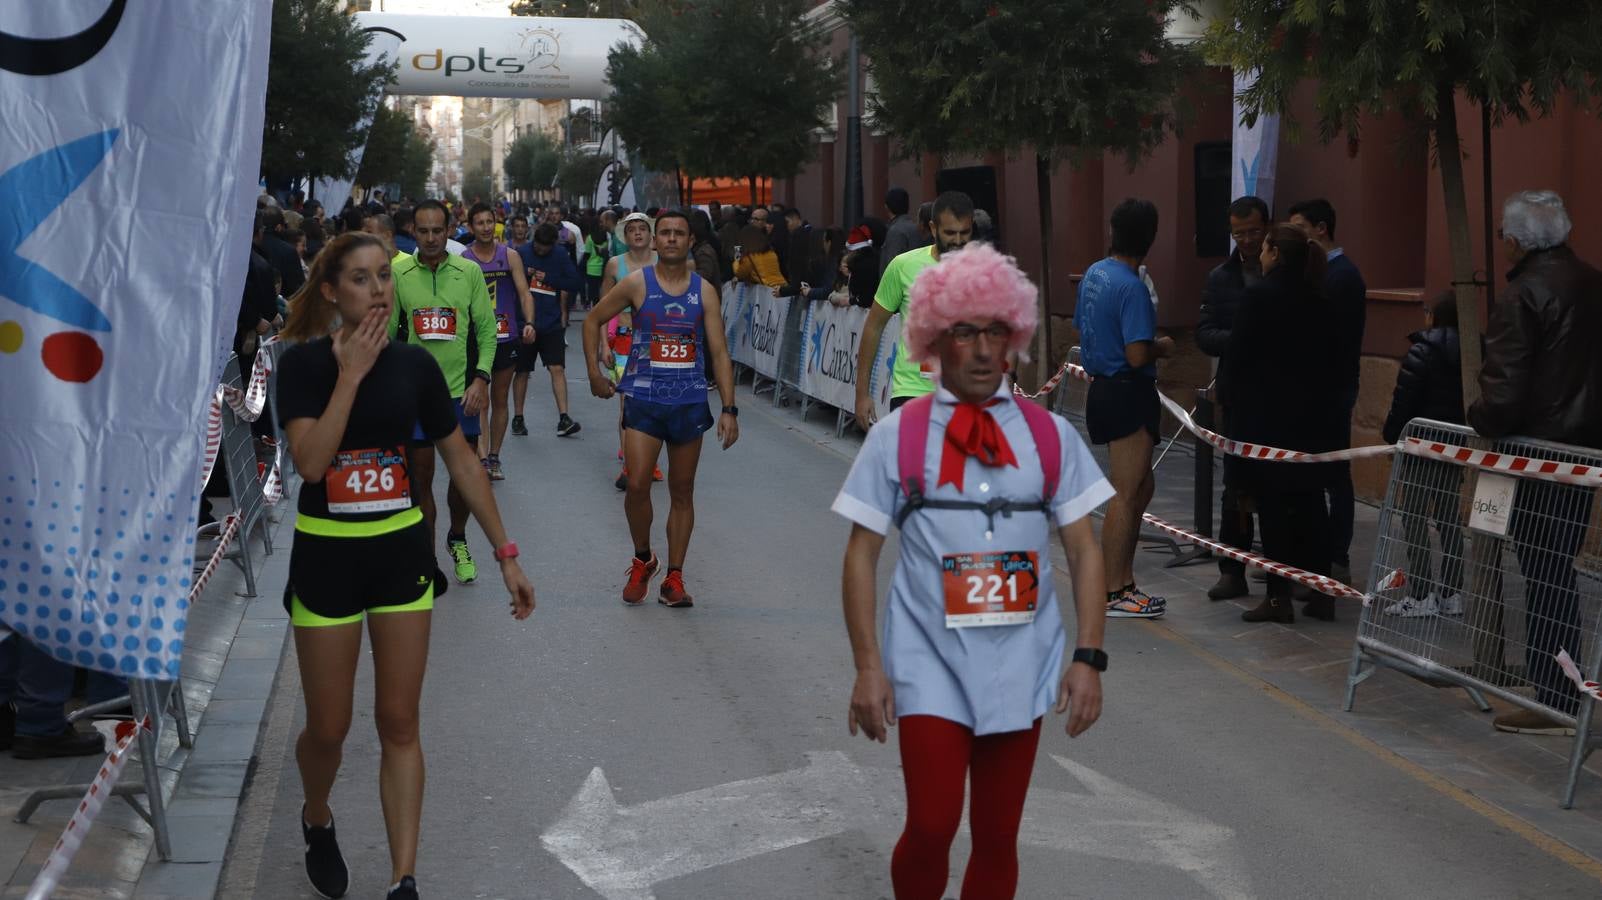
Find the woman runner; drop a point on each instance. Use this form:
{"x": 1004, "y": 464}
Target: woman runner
{"x": 349, "y": 399}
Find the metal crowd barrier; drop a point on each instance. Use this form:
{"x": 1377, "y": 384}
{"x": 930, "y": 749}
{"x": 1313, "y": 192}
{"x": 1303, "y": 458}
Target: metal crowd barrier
{"x": 245, "y": 483}
{"x": 1507, "y": 573}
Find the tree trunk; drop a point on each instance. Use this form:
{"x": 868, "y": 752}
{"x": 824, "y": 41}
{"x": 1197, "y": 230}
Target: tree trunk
{"x": 1450, "y": 153}
{"x": 689, "y": 190}
{"x": 753, "y": 191}
{"x": 1043, "y": 198}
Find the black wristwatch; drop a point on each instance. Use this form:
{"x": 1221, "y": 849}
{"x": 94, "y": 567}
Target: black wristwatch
{"x": 1092, "y": 657}
{"x": 732, "y": 411}
{"x": 482, "y": 374}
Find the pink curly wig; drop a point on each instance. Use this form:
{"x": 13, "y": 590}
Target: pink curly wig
{"x": 977, "y": 284}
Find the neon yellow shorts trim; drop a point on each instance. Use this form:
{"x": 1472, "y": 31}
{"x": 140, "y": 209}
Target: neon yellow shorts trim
{"x": 341, "y": 529}
{"x": 301, "y": 617}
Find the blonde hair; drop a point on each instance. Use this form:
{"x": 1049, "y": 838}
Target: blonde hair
{"x": 311, "y": 316}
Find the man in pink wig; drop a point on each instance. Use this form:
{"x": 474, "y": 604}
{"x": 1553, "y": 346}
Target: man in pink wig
{"x": 973, "y": 651}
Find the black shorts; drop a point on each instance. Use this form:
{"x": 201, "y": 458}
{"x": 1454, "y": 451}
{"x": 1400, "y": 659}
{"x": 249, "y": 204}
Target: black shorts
{"x": 671, "y": 423}
{"x": 337, "y": 578}
{"x": 1117, "y": 406}
{"x": 549, "y": 347}
{"x": 898, "y": 402}
{"x": 505, "y": 356}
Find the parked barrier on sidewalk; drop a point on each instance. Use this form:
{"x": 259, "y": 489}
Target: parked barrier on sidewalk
{"x": 1515, "y": 581}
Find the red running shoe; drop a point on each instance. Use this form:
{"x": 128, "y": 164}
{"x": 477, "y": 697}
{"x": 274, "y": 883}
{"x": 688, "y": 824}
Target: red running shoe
{"x": 672, "y": 592}
{"x": 639, "y": 583}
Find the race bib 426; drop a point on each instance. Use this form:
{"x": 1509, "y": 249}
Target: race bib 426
{"x": 363, "y": 481}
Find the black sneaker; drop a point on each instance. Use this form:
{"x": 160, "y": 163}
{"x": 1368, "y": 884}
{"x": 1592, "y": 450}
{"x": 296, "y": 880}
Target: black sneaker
{"x": 405, "y": 889}
{"x": 69, "y": 742}
{"x": 566, "y": 427}
{"x": 518, "y": 428}
{"x": 325, "y": 865}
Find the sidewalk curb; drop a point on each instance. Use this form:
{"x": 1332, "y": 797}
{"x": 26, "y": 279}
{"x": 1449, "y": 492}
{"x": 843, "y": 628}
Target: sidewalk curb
{"x": 202, "y": 808}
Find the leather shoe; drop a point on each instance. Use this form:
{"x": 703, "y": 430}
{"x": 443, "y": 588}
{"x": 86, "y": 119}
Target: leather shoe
{"x": 1272, "y": 609}
{"x": 69, "y": 742}
{"x": 1230, "y": 585}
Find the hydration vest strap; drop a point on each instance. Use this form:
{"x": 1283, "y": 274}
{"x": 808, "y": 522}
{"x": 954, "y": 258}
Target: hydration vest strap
{"x": 912, "y": 442}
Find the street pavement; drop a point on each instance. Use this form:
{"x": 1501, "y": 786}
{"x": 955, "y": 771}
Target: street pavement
{"x": 603, "y": 751}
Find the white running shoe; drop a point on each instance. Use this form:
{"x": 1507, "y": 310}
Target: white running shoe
{"x": 1451, "y": 605}
{"x": 1414, "y": 608}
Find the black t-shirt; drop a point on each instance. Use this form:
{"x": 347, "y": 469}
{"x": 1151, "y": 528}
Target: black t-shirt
{"x": 368, "y": 479}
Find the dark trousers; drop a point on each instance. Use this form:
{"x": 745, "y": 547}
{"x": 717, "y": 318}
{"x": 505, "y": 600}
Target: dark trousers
{"x": 1548, "y": 526}
{"x": 38, "y": 685}
{"x": 1430, "y": 493}
{"x": 1235, "y": 528}
{"x": 1342, "y": 501}
{"x": 1295, "y": 532}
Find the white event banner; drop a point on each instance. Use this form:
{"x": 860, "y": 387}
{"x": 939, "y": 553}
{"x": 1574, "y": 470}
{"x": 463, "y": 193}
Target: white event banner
{"x": 831, "y": 336}
{"x": 128, "y": 169}
{"x": 504, "y": 56}
{"x": 1254, "y": 149}
{"x": 756, "y": 326}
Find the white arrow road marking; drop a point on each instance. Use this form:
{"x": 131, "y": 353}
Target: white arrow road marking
{"x": 621, "y": 851}
{"x": 1115, "y": 821}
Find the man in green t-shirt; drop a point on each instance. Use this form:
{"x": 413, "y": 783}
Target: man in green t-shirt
{"x": 442, "y": 304}
{"x": 953, "y": 228}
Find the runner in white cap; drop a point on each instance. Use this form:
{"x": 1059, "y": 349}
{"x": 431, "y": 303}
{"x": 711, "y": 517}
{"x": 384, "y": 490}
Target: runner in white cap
{"x": 973, "y": 651}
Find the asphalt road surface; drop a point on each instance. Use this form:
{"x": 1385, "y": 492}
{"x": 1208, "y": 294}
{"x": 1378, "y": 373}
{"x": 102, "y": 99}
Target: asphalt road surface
{"x": 602, "y": 751}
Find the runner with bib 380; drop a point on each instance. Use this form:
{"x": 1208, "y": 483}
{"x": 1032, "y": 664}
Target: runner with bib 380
{"x": 442, "y": 305}
{"x": 677, "y": 322}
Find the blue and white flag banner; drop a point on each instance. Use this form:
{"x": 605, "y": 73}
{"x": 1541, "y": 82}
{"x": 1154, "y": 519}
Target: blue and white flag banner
{"x": 128, "y": 170}
{"x": 1255, "y": 158}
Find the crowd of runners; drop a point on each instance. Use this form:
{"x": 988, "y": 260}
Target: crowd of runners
{"x": 401, "y": 358}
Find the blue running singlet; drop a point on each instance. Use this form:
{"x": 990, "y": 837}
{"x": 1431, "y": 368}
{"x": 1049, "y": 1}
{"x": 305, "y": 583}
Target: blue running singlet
{"x": 666, "y": 361}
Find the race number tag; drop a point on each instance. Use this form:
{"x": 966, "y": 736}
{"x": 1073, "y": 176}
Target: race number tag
{"x": 434, "y": 323}
{"x": 537, "y": 284}
{"x": 364, "y": 481}
{"x": 926, "y": 371}
{"x": 673, "y": 351}
{"x": 503, "y": 328}
{"x": 999, "y": 588}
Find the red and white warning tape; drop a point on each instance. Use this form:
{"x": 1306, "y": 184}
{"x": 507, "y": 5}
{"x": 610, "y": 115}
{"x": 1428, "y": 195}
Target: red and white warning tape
{"x": 1546, "y": 470}
{"x": 1321, "y": 583}
{"x": 1566, "y": 663}
{"x": 49, "y": 877}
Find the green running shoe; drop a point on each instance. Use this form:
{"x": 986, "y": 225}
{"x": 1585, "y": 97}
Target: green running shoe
{"x": 466, "y": 571}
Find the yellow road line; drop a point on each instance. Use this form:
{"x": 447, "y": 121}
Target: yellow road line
{"x": 1553, "y": 846}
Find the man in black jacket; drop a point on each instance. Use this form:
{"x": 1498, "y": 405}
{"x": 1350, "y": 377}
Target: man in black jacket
{"x": 1221, "y": 297}
{"x": 1348, "y": 294}
{"x": 1542, "y": 378}
{"x": 278, "y": 252}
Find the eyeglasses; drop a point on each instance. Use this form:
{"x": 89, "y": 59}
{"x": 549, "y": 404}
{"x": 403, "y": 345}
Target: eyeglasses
{"x": 964, "y": 334}
{"x": 1246, "y": 234}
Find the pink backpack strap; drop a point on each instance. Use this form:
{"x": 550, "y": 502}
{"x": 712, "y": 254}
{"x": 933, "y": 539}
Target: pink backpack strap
{"x": 1048, "y": 444}
{"x": 910, "y": 446}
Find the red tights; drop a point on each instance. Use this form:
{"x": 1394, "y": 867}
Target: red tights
{"x": 936, "y": 756}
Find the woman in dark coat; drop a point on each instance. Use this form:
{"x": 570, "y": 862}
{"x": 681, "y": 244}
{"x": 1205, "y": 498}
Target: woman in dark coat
{"x": 1283, "y": 364}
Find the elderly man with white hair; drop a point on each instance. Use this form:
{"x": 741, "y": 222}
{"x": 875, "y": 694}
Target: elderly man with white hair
{"x": 1542, "y": 378}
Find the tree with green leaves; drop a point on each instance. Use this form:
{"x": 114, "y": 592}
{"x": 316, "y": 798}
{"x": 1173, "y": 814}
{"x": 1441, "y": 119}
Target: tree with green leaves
{"x": 532, "y": 162}
{"x": 1514, "y": 58}
{"x": 727, "y": 88}
{"x": 1067, "y": 80}
{"x": 580, "y": 173}
{"x": 477, "y": 185}
{"x": 320, "y": 92}
{"x": 396, "y": 154}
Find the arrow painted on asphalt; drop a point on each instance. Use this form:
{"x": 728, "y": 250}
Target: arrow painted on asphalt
{"x": 620, "y": 852}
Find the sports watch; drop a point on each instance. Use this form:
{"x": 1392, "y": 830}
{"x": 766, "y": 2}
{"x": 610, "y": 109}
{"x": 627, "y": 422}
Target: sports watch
{"x": 1093, "y": 657}
{"x": 732, "y": 411}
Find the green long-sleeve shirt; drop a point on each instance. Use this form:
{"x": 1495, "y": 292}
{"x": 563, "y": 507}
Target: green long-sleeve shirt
{"x": 442, "y": 309}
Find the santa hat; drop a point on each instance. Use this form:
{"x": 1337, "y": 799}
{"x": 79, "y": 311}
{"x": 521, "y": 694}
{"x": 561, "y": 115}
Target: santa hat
{"x": 859, "y": 238}
{"x": 976, "y": 284}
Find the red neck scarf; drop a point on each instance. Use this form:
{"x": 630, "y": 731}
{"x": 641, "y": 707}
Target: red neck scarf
{"x": 973, "y": 432}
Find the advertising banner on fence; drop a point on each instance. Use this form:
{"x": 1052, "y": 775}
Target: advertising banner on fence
{"x": 831, "y": 337}
{"x": 144, "y": 131}
{"x": 756, "y": 324}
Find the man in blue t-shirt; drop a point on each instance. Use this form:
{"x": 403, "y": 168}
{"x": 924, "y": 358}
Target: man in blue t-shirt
{"x": 1119, "y": 346}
